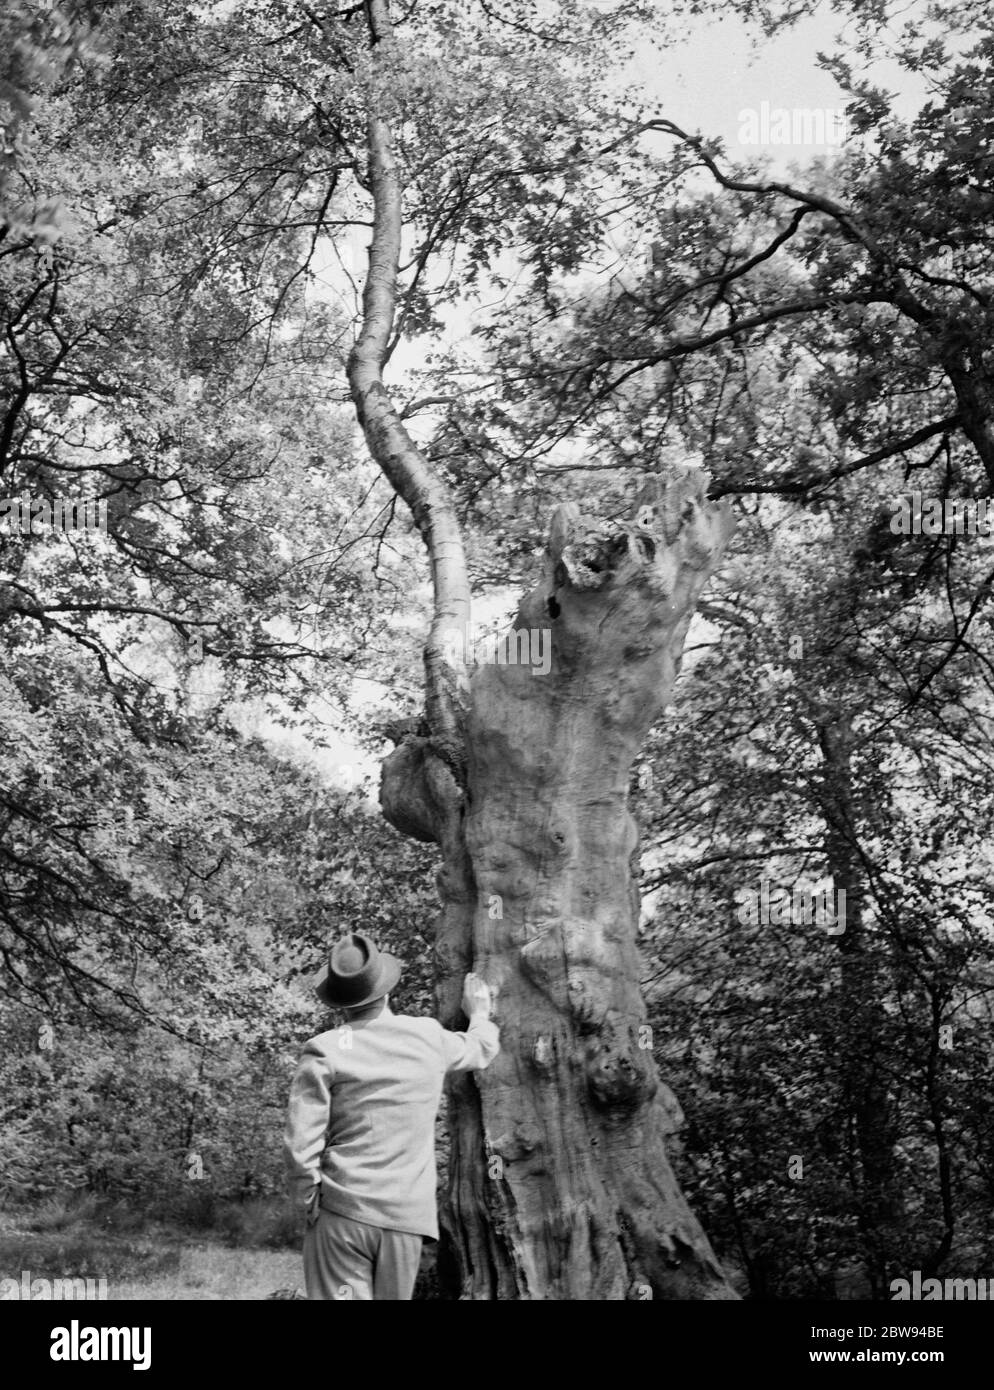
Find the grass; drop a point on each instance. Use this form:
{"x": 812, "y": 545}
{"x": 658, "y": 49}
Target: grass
{"x": 217, "y": 1272}
{"x": 82, "y": 1254}
{"x": 194, "y": 1249}
{"x": 191, "y": 1246}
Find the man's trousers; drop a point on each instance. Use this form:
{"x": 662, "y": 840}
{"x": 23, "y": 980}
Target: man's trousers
{"x": 345, "y": 1259}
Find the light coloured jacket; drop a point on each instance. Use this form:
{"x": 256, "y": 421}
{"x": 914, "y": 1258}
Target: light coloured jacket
{"x": 360, "y": 1130}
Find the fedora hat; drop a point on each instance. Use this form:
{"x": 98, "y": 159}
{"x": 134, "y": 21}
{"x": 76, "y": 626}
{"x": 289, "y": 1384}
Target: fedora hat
{"x": 356, "y": 973}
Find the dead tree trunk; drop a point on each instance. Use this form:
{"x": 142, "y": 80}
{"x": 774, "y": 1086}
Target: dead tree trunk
{"x": 560, "y": 1185}
{"x": 575, "y": 1198}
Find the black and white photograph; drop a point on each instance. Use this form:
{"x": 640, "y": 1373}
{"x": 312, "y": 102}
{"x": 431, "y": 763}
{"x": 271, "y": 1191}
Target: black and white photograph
{"x": 497, "y": 666}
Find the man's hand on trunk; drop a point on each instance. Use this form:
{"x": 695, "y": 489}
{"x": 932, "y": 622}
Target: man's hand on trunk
{"x": 476, "y": 997}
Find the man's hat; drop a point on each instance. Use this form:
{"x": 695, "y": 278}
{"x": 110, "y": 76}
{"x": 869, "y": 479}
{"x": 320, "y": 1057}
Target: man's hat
{"x": 356, "y": 973}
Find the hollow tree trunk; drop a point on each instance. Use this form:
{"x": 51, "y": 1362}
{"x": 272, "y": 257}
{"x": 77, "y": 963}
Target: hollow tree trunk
{"x": 560, "y": 1186}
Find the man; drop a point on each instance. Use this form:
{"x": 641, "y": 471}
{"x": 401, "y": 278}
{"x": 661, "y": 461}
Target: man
{"x": 360, "y": 1132}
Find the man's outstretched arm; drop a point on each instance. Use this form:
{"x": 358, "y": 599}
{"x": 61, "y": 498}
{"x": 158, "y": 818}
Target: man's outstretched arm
{"x": 478, "y": 1046}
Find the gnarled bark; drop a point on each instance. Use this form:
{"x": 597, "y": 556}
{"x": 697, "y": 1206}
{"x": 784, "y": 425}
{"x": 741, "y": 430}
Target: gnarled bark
{"x": 561, "y": 1187}
{"x": 560, "y": 1184}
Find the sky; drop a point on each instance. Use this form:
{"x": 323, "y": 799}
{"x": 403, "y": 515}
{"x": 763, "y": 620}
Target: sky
{"x": 725, "y": 66}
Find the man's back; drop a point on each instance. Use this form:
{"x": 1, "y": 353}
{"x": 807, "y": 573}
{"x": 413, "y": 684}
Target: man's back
{"x": 362, "y": 1115}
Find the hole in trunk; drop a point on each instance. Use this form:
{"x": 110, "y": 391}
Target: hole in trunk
{"x": 553, "y": 607}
